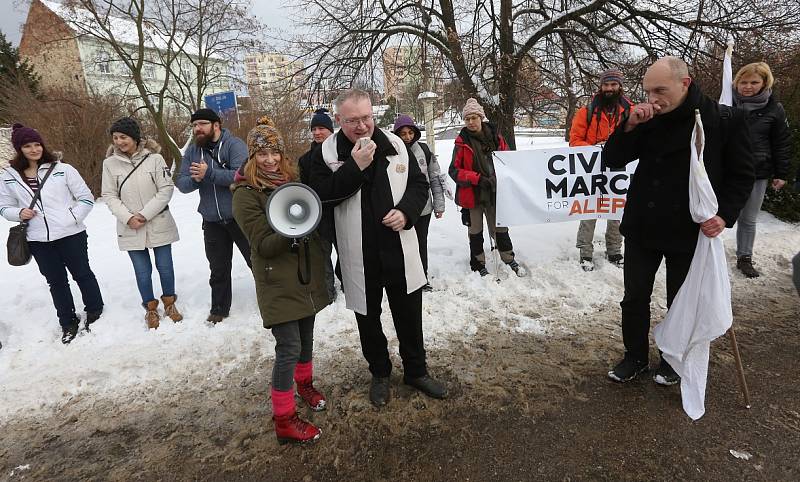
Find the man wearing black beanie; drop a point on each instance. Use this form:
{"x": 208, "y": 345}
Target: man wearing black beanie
{"x": 209, "y": 165}
{"x": 321, "y": 129}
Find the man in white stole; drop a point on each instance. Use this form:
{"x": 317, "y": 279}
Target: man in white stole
{"x": 378, "y": 192}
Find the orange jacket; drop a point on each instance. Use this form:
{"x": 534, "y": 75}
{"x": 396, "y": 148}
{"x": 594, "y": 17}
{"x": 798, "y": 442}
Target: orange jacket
{"x": 598, "y": 128}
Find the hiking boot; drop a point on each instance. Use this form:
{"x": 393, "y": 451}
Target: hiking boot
{"x": 517, "y": 269}
{"x": 617, "y": 260}
{"x": 292, "y": 429}
{"x": 428, "y": 386}
{"x": 627, "y": 370}
{"x": 315, "y": 400}
{"x": 151, "y": 316}
{"x": 379, "y": 391}
{"x": 482, "y": 270}
{"x": 91, "y": 317}
{"x": 214, "y": 318}
{"x": 745, "y": 265}
{"x": 170, "y": 309}
{"x": 665, "y": 374}
{"x": 427, "y": 288}
{"x": 587, "y": 264}
{"x": 69, "y": 332}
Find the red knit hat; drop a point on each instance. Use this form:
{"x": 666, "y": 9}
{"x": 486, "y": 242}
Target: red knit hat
{"x": 21, "y": 135}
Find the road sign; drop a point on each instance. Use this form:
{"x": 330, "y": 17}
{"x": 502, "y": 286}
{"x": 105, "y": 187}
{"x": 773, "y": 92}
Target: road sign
{"x": 224, "y": 104}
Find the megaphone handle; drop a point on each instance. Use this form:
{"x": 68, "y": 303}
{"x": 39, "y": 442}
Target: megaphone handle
{"x": 304, "y": 280}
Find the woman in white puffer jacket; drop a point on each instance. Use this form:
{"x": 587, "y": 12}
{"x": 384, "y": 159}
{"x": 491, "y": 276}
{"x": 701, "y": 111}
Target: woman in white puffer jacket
{"x": 137, "y": 188}
{"x": 56, "y": 234}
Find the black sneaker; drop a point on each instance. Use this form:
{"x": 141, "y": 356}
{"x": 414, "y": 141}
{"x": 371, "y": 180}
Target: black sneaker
{"x": 627, "y": 370}
{"x": 665, "y": 375}
{"x": 617, "y": 260}
{"x": 91, "y": 317}
{"x": 517, "y": 269}
{"x": 70, "y": 331}
{"x": 587, "y": 264}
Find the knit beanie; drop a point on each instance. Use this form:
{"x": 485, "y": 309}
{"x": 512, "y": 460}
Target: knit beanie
{"x": 127, "y": 126}
{"x": 21, "y": 135}
{"x": 322, "y": 119}
{"x": 473, "y": 107}
{"x": 612, "y": 75}
{"x": 264, "y": 136}
{"x": 205, "y": 114}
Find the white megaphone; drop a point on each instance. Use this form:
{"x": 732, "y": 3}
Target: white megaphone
{"x": 294, "y": 210}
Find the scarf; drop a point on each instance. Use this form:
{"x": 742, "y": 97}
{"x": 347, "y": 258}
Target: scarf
{"x": 273, "y": 180}
{"x": 754, "y": 102}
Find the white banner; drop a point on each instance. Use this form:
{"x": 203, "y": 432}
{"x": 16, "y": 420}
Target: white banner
{"x": 555, "y": 185}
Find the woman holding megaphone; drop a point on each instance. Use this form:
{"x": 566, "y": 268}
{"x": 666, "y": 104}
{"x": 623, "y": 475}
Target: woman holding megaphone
{"x": 287, "y": 299}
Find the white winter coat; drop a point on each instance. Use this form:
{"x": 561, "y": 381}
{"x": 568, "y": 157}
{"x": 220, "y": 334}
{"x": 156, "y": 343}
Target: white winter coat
{"x": 147, "y": 191}
{"x": 64, "y": 203}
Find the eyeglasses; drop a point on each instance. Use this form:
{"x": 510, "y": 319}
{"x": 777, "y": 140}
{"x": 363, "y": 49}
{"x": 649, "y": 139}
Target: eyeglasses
{"x": 201, "y": 123}
{"x": 366, "y": 120}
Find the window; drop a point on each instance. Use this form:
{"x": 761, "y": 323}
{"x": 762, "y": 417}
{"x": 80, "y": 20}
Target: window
{"x": 103, "y": 62}
{"x": 149, "y": 72}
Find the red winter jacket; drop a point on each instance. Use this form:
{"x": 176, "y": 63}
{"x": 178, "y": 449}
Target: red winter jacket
{"x": 463, "y": 172}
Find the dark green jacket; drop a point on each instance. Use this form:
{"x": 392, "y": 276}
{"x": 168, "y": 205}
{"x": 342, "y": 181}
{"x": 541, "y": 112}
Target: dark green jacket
{"x": 281, "y": 295}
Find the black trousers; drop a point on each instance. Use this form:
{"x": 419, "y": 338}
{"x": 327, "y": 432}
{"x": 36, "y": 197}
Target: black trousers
{"x": 219, "y": 239}
{"x": 423, "y": 223}
{"x": 641, "y": 265}
{"x": 294, "y": 342}
{"x": 407, "y": 317}
{"x": 54, "y": 258}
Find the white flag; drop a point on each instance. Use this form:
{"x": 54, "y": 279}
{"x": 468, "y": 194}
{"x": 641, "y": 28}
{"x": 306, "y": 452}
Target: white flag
{"x": 701, "y": 310}
{"x": 726, "y": 97}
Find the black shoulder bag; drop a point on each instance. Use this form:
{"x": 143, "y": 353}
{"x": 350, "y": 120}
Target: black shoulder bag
{"x": 119, "y": 188}
{"x": 19, "y": 253}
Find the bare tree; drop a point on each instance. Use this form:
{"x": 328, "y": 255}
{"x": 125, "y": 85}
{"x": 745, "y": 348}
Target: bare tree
{"x": 174, "y": 51}
{"x": 486, "y": 42}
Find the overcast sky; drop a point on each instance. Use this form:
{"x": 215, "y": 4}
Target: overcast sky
{"x": 269, "y": 11}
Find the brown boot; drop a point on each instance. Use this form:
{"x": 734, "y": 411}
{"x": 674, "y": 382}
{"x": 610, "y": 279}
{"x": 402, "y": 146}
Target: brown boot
{"x": 170, "y": 309}
{"x": 152, "y": 317}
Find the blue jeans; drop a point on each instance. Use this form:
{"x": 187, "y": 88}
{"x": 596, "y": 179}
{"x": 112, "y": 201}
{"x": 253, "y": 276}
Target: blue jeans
{"x": 144, "y": 270}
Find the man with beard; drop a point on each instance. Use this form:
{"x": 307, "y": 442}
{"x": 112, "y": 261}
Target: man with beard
{"x": 378, "y": 191}
{"x": 657, "y": 223}
{"x": 321, "y": 129}
{"x": 592, "y": 125}
{"x": 209, "y": 164}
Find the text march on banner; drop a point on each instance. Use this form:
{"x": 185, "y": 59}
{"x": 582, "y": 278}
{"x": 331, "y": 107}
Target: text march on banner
{"x": 555, "y": 185}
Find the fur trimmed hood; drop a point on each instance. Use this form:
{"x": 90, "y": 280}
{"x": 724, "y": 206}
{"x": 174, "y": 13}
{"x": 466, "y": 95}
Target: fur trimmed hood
{"x": 150, "y": 145}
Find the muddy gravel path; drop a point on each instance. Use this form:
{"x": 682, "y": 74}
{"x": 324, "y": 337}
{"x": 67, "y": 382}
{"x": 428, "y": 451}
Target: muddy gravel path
{"x": 523, "y": 407}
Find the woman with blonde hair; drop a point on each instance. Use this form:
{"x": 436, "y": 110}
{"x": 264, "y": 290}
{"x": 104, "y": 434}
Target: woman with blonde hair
{"x": 288, "y": 304}
{"x": 752, "y": 93}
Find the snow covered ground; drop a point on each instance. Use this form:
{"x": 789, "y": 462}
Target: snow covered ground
{"x": 120, "y": 356}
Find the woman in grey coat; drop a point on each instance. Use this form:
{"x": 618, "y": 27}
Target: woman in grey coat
{"x": 406, "y": 129}
{"x": 137, "y": 187}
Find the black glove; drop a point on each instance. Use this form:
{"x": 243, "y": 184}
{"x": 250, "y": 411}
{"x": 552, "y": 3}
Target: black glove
{"x": 465, "y": 217}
